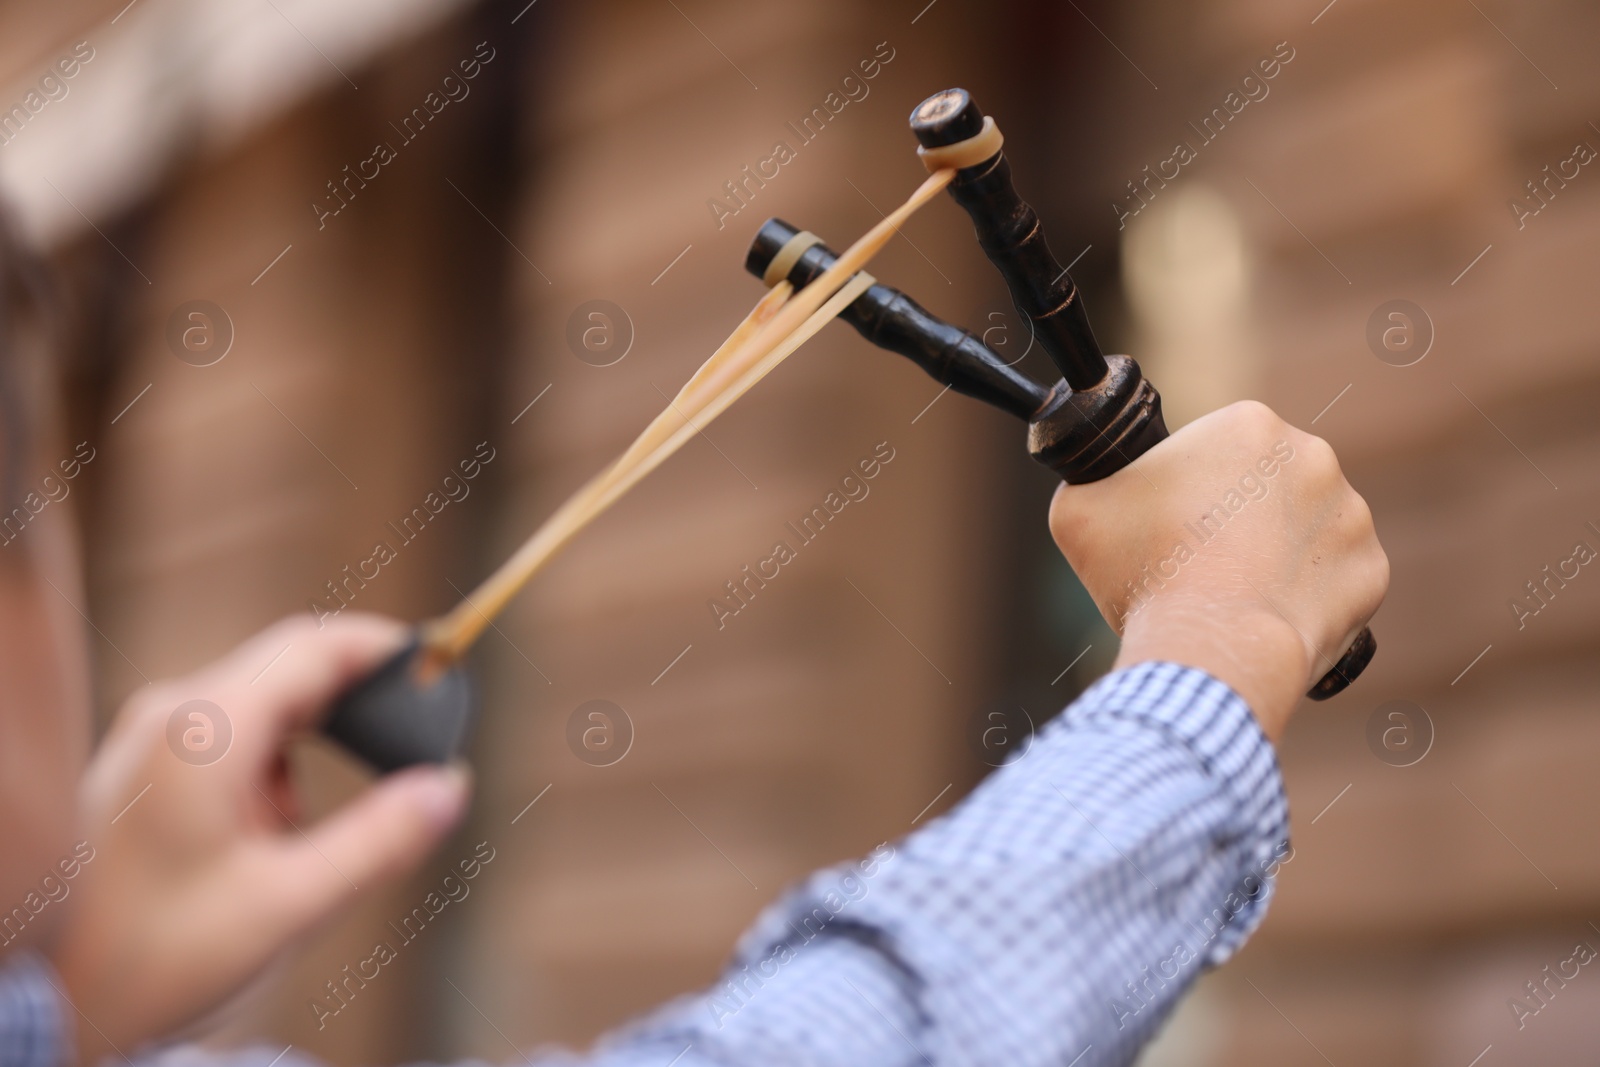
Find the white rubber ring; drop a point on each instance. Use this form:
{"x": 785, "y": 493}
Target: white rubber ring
{"x": 788, "y": 256}
{"x": 968, "y": 153}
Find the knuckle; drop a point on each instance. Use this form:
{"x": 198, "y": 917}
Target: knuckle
{"x": 153, "y": 700}
{"x": 1359, "y": 515}
{"x": 352, "y": 628}
{"x": 1321, "y": 462}
{"x": 1075, "y": 535}
{"x": 1374, "y": 582}
{"x": 146, "y": 710}
{"x": 1253, "y": 420}
{"x": 1369, "y": 561}
{"x": 292, "y": 627}
{"x": 1067, "y": 520}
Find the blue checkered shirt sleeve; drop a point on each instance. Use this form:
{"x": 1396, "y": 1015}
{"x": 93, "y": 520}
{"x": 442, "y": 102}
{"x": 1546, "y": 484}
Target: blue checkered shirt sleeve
{"x": 1053, "y": 917}
{"x": 32, "y": 1024}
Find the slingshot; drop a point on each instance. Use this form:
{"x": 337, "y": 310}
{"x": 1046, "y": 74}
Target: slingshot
{"x": 1098, "y": 418}
{"x": 417, "y": 706}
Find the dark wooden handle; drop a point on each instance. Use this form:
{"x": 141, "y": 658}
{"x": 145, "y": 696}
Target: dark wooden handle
{"x": 1112, "y": 415}
{"x": 1349, "y": 667}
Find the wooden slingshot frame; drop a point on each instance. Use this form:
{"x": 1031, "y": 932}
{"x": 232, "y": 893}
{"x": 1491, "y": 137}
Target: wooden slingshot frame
{"x": 780, "y": 323}
{"x": 418, "y": 706}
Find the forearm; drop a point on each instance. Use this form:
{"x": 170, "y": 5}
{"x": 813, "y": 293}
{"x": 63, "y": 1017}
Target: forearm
{"x": 1257, "y": 654}
{"x": 1054, "y": 916}
{"x": 1064, "y": 906}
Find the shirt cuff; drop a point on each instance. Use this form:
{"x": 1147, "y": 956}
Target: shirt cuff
{"x": 1219, "y": 730}
{"x": 34, "y": 1030}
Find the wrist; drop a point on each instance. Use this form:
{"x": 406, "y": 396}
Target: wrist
{"x": 1252, "y": 651}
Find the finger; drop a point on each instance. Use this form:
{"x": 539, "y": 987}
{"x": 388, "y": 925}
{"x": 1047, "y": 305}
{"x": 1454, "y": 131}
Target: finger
{"x": 1067, "y": 518}
{"x": 285, "y": 677}
{"x": 380, "y": 835}
{"x": 280, "y": 789}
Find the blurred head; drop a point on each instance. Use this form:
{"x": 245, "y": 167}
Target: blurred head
{"x": 44, "y": 691}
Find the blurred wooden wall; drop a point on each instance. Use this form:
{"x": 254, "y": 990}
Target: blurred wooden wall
{"x": 432, "y": 314}
{"x": 363, "y": 356}
{"x": 829, "y": 713}
{"x": 1379, "y": 167}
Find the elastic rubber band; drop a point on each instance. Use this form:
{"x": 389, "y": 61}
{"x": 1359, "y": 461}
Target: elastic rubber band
{"x": 778, "y": 324}
{"x": 788, "y": 256}
{"x": 969, "y": 153}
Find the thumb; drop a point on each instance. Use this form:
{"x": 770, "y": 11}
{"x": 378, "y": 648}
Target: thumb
{"x": 380, "y": 835}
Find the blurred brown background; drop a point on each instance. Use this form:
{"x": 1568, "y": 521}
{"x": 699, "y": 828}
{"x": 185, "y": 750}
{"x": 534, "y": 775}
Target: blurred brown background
{"x": 373, "y": 349}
